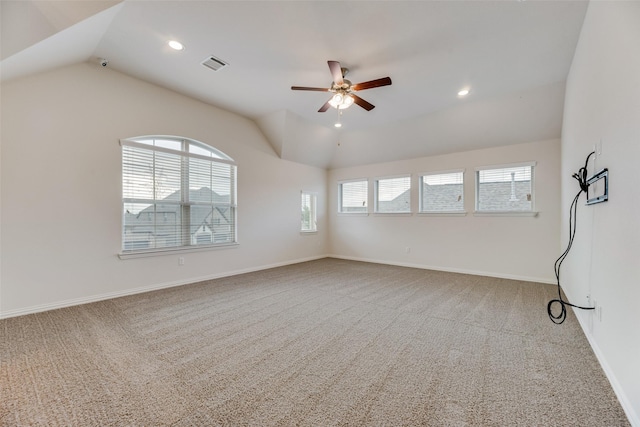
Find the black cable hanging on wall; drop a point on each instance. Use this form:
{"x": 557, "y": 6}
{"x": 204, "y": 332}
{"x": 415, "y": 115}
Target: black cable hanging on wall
{"x": 583, "y": 182}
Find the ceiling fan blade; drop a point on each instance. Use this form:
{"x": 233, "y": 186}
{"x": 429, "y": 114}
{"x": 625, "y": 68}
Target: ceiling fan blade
{"x": 336, "y": 72}
{"x": 317, "y": 89}
{"x": 325, "y": 107}
{"x": 385, "y": 81}
{"x": 361, "y": 102}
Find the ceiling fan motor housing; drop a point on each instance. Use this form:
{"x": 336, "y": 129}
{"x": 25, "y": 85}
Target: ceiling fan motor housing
{"x": 344, "y": 87}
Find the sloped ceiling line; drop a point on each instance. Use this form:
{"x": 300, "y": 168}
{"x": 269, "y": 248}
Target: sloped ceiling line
{"x": 515, "y": 56}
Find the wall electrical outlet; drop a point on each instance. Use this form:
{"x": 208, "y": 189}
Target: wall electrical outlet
{"x": 181, "y": 260}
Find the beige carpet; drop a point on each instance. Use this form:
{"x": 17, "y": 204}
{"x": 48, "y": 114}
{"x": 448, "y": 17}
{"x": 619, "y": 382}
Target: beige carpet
{"x": 322, "y": 343}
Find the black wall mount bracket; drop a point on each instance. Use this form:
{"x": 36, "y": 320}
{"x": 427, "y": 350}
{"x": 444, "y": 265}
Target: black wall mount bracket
{"x": 599, "y": 197}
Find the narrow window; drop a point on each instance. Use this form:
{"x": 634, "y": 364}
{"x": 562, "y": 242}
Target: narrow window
{"x": 393, "y": 195}
{"x": 442, "y": 192}
{"x": 505, "y": 189}
{"x": 353, "y": 196}
{"x": 308, "y": 213}
{"x": 177, "y": 193}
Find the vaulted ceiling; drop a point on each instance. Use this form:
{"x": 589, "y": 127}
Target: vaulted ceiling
{"x": 513, "y": 55}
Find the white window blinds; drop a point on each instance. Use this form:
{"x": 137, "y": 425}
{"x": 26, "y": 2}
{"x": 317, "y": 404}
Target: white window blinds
{"x": 442, "y": 192}
{"x": 505, "y": 189}
{"x": 353, "y": 196}
{"x": 176, "y": 193}
{"x": 393, "y": 195}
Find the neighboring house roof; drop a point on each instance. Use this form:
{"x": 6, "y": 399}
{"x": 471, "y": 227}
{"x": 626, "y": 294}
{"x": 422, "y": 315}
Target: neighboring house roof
{"x": 401, "y": 203}
{"x": 443, "y": 197}
{"x": 495, "y": 196}
{"x": 143, "y": 222}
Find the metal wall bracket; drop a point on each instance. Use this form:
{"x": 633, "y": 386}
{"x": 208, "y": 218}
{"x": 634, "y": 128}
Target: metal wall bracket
{"x": 593, "y": 199}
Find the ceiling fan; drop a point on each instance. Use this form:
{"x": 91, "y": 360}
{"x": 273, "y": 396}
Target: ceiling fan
{"x": 343, "y": 89}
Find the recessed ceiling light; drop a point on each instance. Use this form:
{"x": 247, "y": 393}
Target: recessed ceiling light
{"x": 174, "y": 44}
{"x": 338, "y": 125}
{"x": 464, "y": 92}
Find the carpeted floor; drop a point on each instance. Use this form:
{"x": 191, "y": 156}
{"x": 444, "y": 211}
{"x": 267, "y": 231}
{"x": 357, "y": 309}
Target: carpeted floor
{"x": 322, "y": 343}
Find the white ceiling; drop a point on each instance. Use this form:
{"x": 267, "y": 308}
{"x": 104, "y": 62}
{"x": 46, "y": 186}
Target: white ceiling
{"x": 514, "y": 55}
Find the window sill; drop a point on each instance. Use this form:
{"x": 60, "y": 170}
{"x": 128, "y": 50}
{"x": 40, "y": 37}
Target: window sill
{"x": 442, "y": 213}
{"x": 392, "y": 214}
{"x": 505, "y": 213}
{"x": 173, "y": 251}
{"x": 306, "y": 233}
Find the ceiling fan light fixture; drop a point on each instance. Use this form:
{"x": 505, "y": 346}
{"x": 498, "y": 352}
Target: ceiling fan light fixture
{"x": 341, "y": 101}
{"x": 348, "y": 101}
{"x": 342, "y": 89}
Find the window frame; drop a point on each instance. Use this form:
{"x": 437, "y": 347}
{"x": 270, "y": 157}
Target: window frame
{"x": 341, "y": 210}
{"x": 313, "y": 212}
{"x": 189, "y": 149}
{"x": 422, "y": 211}
{"x": 505, "y": 212}
{"x": 376, "y": 201}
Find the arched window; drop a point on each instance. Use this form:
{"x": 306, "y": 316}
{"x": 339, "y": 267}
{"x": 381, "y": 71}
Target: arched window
{"x": 176, "y": 193}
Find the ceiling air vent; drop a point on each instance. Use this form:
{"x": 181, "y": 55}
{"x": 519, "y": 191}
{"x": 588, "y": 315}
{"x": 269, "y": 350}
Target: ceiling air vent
{"x": 214, "y": 63}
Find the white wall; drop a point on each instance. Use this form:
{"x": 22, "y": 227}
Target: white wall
{"x": 61, "y": 189}
{"x": 502, "y": 246}
{"x": 603, "y": 107}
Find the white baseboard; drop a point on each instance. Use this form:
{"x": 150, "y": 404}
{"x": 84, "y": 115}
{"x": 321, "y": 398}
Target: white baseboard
{"x": 133, "y": 291}
{"x": 142, "y": 289}
{"x": 450, "y": 270}
{"x": 633, "y": 417}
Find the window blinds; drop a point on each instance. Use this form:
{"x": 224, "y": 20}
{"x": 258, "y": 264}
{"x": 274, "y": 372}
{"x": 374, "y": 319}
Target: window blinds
{"x": 175, "y": 194}
{"x": 442, "y": 192}
{"x": 393, "y": 195}
{"x": 353, "y": 196}
{"x": 506, "y": 189}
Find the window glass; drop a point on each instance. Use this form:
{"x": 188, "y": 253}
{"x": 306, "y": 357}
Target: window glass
{"x": 173, "y": 199}
{"x": 353, "y": 196}
{"x": 393, "y": 195}
{"x": 172, "y": 144}
{"x": 442, "y": 192}
{"x": 308, "y": 212}
{"x": 505, "y": 189}
{"x": 196, "y": 147}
